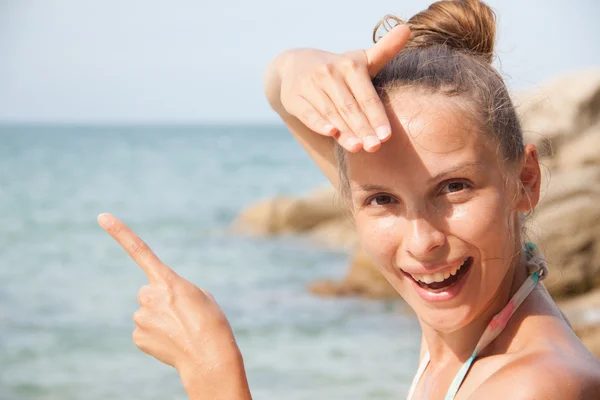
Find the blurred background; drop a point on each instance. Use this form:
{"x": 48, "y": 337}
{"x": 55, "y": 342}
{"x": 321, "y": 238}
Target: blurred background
{"x": 154, "y": 111}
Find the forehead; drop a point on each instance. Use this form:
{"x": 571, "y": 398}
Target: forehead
{"x": 430, "y": 134}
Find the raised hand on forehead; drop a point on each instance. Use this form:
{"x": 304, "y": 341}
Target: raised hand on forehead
{"x": 178, "y": 323}
{"x": 333, "y": 94}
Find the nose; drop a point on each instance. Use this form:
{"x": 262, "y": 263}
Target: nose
{"x": 424, "y": 239}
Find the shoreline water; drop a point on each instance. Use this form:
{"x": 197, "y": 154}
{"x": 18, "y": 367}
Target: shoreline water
{"x": 68, "y": 292}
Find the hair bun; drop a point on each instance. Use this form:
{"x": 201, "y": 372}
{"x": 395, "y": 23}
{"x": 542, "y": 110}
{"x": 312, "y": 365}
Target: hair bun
{"x": 468, "y": 25}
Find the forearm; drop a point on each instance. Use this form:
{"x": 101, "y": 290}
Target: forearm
{"x": 227, "y": 388}
{"x": 221, "y": 382}
{"x": 272, "y": 81}
{"x": 285, "y": 70}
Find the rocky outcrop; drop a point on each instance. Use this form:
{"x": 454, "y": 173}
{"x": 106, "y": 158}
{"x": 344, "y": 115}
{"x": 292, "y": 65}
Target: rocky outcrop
{"x": 583, "y": 313}
{"x": 320, "y": 215}
{"x": 363, "y": 279}
{"x": 563, "y": 119}
{"x": 560, "y": 110}
{"x": 285, "y": 214}
{"x": 566, "y": 225}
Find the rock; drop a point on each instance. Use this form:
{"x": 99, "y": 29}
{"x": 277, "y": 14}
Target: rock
{"x": 581, "y": 152}
{"x": 264, "y": 218}
{"x": 286, "y": 214}
{"x": 590, "y": 337}
{"x": 336, "y": 233}
{"x": 566, "y": 226}
{"x": 560, "y": 109}
{"x": 583, "y": 313}
{"x": 363, "y": 279}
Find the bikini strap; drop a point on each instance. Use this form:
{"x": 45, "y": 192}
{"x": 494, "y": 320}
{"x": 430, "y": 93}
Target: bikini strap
{"x": 538, "y": 269}
{"x": 535, "y": 260}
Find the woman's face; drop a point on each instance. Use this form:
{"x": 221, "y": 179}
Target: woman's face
{"x": 434, "y": 211}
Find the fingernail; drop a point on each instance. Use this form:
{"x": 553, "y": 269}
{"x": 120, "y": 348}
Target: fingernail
{"x": 104, "y": 220}
{"x": 329, "y": 128}
{"x": 383, "y": 132}
{"x": 352, "y": 141}
{"x": 370, "y": 142}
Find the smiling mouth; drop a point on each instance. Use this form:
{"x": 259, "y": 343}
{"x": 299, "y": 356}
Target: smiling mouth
{"x": 441, "y": 282}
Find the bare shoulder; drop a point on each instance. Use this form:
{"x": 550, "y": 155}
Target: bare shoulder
{"x": 544, "y": 375}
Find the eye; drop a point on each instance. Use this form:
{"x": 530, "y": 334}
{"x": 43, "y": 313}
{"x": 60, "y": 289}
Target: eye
{"x": 381, "y": 200}
{"x": 454, "y": 187}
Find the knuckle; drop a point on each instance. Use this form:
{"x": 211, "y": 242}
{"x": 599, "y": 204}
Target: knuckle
{"x": 370, "y": 101}
{"x": 144, "y": 300}
{"x": 138, "y": 318}
{"x": 294, "y": 103}
{"x": 309, "y": 116}
{"x": 330, "y": 112}
{"x": 324, "y": 70}
{"x": 350, "y": 65}
{"x": 145, "y": 295}
{"x": 349, "y": 108}
{"x": 136, "y": 336}
{"x": 138, "y": 339}
{"x": 303, "y": 92}
{"x": 137, "y": 246}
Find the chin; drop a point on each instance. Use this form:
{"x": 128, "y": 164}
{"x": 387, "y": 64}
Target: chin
{"x": 446, "y": 320}
{"x": 445, "y": 310}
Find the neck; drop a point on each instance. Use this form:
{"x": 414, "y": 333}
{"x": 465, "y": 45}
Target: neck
{"x": 456, "y": 347}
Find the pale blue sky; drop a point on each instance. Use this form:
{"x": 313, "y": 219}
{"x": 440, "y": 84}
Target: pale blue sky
{"x": 185, "y": 61}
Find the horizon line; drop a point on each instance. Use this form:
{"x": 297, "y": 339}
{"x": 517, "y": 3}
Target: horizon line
{"x": 133, "y": 124}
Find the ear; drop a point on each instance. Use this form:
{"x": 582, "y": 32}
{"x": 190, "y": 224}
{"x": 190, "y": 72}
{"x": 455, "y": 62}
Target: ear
{"x": 530, "y": 178}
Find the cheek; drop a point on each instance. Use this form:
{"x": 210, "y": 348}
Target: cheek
{"x": 380, "y": 237}
{"x": 483, "y": 222}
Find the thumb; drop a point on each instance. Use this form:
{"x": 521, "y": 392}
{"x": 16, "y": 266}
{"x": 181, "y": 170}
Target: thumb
{"x": 386, "y": 48}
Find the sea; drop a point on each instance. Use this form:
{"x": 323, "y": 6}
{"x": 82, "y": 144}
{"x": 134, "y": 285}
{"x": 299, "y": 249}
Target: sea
{"x": 68, "y": 291}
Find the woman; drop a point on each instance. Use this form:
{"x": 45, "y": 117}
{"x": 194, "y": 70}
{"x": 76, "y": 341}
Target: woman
{"x": 420, "y": 137}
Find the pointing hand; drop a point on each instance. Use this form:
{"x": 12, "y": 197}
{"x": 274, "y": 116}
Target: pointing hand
{"x": 178, "y": 323}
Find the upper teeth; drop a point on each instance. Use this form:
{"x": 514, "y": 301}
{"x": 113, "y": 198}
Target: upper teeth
{"x": 438, "y": 276}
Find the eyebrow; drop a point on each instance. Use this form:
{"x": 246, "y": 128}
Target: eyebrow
{"x": 464, "y": 167}
{"x": 373, "y": 188}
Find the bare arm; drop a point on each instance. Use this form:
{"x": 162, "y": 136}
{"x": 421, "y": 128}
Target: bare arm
{"x": 319, "y": 147}
{"x": 226, "y": 382}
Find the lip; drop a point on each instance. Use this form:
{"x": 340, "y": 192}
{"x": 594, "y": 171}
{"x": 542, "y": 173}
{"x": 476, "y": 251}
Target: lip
{"x": 443, "y": 295}
{"x": 433, "y": 269}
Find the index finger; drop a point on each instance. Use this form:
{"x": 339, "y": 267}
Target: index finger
{"x": 138, "y": 250}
